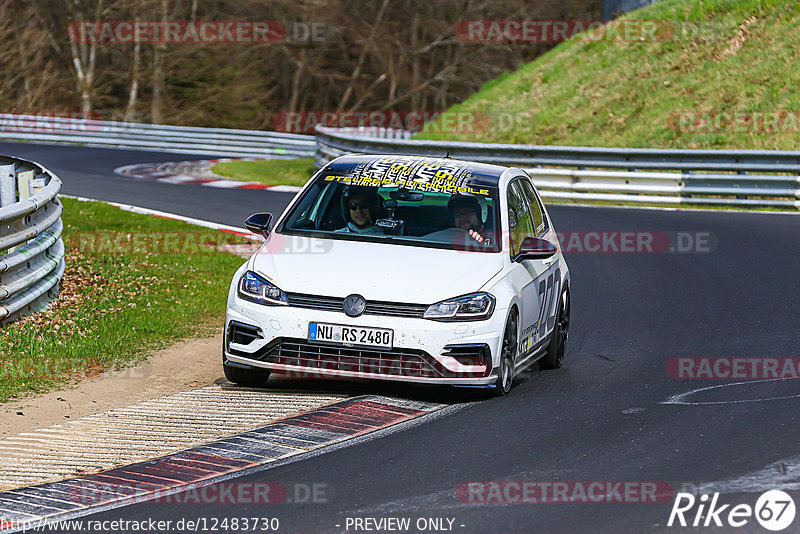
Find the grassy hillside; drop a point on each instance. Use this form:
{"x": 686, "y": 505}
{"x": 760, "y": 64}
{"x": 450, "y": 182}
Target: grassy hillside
{"x": 704, "y": 85}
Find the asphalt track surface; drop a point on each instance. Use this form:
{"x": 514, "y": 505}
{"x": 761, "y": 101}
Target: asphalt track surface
{"x": 600, "y": 418}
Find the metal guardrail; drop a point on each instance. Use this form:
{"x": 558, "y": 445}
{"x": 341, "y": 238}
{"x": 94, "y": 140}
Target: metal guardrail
{"x": 751, "y": 178}
{"x": 159, "y": 137}
{"x": 31, "y": 249}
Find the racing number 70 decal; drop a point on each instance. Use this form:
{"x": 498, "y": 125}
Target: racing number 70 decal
{"x": 549, "y": 289}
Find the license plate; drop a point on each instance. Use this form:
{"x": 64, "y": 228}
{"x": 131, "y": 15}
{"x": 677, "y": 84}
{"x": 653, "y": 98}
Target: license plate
{"x": 351, "y": 335}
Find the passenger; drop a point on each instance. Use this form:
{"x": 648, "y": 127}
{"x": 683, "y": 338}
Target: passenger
{"x": 362, "y": 207}
{"x": 466, "y": 213}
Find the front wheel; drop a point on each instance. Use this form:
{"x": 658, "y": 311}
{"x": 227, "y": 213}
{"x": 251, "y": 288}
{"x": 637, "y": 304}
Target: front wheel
{"x": 554, "y": 358}
{"x": 252, "y": 378}
{"x": 508, "y": 353}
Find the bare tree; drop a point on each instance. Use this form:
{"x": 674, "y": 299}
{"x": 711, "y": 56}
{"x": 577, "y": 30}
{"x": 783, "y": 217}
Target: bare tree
{"x": 84, "y": 55}
{"x": 375, "y": 55}
{"x": 157, "y": 99}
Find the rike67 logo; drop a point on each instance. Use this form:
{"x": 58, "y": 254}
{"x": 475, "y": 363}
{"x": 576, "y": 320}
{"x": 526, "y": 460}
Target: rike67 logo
{"x": 774, "y": 510}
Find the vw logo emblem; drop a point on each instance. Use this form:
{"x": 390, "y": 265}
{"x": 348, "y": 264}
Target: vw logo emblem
{"x": 354, "y": 305}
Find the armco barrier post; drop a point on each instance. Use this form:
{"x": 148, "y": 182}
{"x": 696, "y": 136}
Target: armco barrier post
{"x": 8, "y": 186}
{"x": 25, "y": 184}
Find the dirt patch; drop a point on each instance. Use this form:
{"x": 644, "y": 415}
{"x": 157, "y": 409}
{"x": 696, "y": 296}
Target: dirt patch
{"x": 185, "y": 365}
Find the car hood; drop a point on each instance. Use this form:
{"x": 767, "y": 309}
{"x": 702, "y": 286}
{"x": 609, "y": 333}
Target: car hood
{"x": 377, "y": 271}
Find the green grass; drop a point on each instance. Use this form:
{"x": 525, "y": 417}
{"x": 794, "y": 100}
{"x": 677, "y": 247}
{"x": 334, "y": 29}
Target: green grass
{"x": 271, "y": 171}
{"x": 139, "y": 284}
{"x": 729, "y": 56}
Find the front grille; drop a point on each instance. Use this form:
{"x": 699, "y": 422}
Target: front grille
{"x": 395, "y": 309}
{"x": 320, "y": 302}
{"x": 392, "y": 362}
{"x": 373, "y": 361}
{"x": 315, "y": 302}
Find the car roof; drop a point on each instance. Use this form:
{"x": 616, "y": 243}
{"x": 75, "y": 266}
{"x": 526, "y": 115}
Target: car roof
{"x": 381, "y": 166}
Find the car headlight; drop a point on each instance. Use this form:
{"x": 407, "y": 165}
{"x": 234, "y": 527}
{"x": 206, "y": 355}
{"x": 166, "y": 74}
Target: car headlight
{"x": 254, "y": 288}
{"x": 473, "y": 307}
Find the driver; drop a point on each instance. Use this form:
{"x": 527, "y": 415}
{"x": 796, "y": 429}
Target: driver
{"x": 361, "y": 208}
{"x": 466, "y": 213}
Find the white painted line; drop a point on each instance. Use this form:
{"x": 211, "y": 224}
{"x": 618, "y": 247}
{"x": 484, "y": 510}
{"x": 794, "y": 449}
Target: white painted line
{"x": 285, "y": 188}
{"x": 680, "y": 398}
{"x": 179, "y": 179}
{"x": 226, "y": 184}
{"x": 198, "y": 222}
{"x": 781, "y": 475}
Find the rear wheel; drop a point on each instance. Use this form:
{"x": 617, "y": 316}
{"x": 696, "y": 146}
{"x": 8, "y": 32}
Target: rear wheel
{"x": 248, "y": 377}
{"x": 508, "y": 353}
{"x": 558, "y": 340}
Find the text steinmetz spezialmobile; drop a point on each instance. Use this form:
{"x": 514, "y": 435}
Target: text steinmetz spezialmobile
{"x": 402, "y": 268}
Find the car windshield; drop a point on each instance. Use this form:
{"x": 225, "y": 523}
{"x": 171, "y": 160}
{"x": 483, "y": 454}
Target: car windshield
{"x": 438, "y": 213}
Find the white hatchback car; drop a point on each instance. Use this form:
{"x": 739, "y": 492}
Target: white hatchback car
{"x": 402, "y": 268}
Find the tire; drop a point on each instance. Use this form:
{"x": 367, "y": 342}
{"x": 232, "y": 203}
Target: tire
{"x": 252, "y": 378}
{"x": 508, "y": 353}
{"x": 554, "y": 358}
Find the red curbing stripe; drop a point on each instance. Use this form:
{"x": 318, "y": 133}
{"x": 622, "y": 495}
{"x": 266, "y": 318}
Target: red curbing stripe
{"x": 373, "y": 416}
{"x": 164, "y": 217}
{"x": 367, "y": 413}
{"x": 245, "y": 234}
{"x": 156, "y": 471}
{"x": 384, "y": 410}
{"x": 352, "y": 419}
{"x": 334, "y": 418}
{"x": 390, "y": 408}
{"x": 114, "y": 478}
{"x": 223, "y": 461}
{"x": 200, "y": 472}
{"x": 364, "y": 418}
{"x": 106, "y": 485}
{"x": 254, "y": 186}
{"x": 158, "y": 481}
{"x": 327, "y": 426}
{"x": 200, "y": 464}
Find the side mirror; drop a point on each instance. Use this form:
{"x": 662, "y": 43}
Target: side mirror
{"x": 259, "y": 223}
{"x": 533, "y": 248}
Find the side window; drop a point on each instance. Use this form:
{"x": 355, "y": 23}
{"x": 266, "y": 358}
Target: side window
{"x": 519, "y": 220}
{"x": 536, "y": 208}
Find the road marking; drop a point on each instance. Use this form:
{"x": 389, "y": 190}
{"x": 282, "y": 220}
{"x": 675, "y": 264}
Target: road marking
{"x": 330, "y": 424}
{"x": 681, "y": 398}
{"x": 174, "y": 216}
{"x": 195, "y": 172}
{"x": 145, "y": 430}
{"x": 783, "y": 475}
